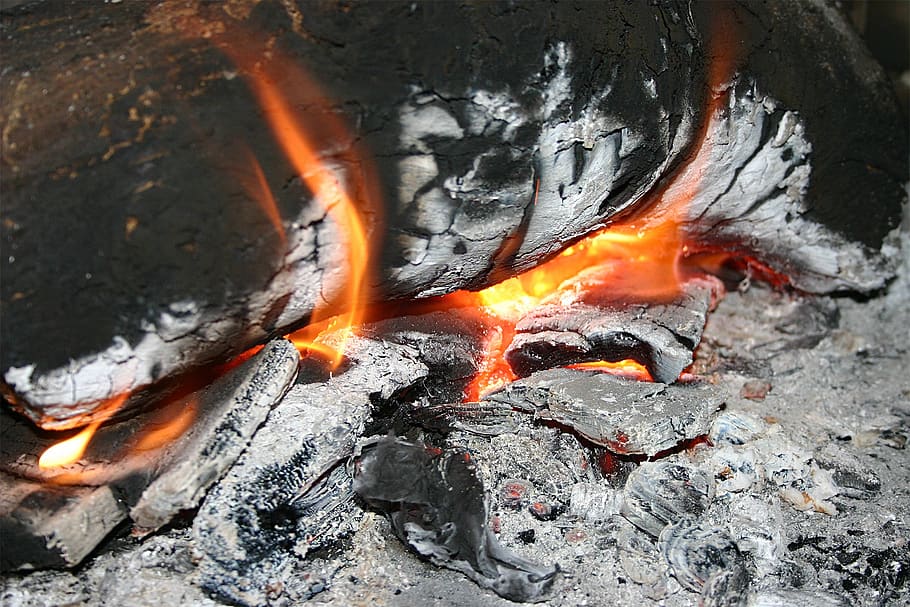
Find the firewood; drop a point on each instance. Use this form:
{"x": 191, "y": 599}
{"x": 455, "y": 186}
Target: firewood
{"x": 137, "y": 244}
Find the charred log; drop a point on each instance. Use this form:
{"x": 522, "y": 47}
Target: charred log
{"x": 662, "y": 337}
{"x": 487, "y": 162}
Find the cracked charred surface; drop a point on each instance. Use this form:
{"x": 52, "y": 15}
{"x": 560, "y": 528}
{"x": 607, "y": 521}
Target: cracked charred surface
{"x": 497, "y": 139}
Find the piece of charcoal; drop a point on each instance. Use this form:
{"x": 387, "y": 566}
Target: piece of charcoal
{"x": 727, "y": 587}
{"x": 626, "y": 416}
{"x": 436, "y": 503}
{"x": 483, "y": 419}
{"x": 594, "y": 326}
{"x": 662, "y": 493}
{"x": 795, "y": 598}
{"x": 698, "y": 552}
{"x": 260, "y": 519}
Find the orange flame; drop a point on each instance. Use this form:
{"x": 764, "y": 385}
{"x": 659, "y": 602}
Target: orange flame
{"x": 172, "y": 421}
{"x": 70, "y": 450}
{"x": 279, "y": 85}
{"x": 639, "y": 260}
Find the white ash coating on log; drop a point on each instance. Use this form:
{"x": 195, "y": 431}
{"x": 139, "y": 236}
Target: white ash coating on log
{"x": 262, "y": 518}
{"x": 234, "y": 410}
{"x": 663, "y": 493}
{"x": 53, "y": 526}
{"x": 585, "y": 328}
{"x": 626, "y": 416}
{"x": 486, "y": 166}
{"x": 436, "y": 503}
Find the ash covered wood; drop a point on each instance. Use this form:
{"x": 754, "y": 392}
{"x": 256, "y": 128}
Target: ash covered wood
{"x": 437, "y": 504}
{"x": 57, "y": 516}
{"x": 486, "y": 162}
{"x": 233, "y": 410}
{"x": 593, "y": 326}
{"x": 626, "y": 416}
{"x": 282, "y": 499}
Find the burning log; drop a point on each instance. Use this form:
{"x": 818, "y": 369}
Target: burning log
{"x": 583, "y": 329}
{"x": 487, "y": 163}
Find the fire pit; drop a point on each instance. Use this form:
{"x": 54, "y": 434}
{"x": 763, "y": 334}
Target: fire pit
{"x": 404, "y": 303}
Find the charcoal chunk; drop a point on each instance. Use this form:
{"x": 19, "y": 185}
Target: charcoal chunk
{"x": 436, "y": 503}
{"x": 662, "y": 493}
{"x": 626, "y": 416}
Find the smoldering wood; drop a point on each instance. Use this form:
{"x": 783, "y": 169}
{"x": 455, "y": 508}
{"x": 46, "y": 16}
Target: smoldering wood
{"x": 273, "y": 507}
{"x": 626, "y": 416}
{"x": 53, "y": 526}
{"x": 487, "y": 162}
{"x": 593, "y": 326}
{"x": 60, "y": 515}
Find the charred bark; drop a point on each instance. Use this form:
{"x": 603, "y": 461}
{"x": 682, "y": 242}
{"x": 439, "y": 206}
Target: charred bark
{"x": 498, "y": 134}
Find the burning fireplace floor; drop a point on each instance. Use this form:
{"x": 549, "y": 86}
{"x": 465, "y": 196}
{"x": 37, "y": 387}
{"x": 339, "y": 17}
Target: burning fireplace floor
{"x": 806, "y": 456}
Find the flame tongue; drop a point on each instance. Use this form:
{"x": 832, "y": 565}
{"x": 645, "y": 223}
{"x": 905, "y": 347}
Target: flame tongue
{"x": 306, "y": 137}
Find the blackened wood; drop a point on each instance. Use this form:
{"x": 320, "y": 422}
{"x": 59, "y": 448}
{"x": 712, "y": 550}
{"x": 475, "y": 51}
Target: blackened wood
{"x": 261, "y": 519}
{"x": 662, "y": 337}
{"x": 133, "y": 248}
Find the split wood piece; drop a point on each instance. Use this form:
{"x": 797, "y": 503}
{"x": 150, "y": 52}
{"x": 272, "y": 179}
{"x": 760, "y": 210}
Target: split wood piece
{"x": 486, "y": 163}
{"x": 126, "y": 464}
{"x": 44, "y": 525}
{"x": 235, "y": 407}
{"x": 591, "y": 327}
{"x": 625, "y": 416}
{"x": 260, "y": 520}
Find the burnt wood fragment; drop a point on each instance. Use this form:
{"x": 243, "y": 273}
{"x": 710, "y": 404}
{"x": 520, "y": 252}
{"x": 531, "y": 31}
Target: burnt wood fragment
{"x": 44, "y": 525}
{"x": 282, "y": 498}
{"x": 486, "y": 161}
{"x": 437, "y": 505}
{"x": 591, "y": 327}
{"x": 56, "y": 517}
{"x": 626, "y": 416}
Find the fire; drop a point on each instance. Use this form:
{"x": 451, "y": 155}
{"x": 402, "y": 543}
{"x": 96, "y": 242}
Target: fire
{"x": 70, "y": 450}
{"x": 172, "y": 421}
{"x": 280, "y": 86}
{"x": 641, "y": 260}
{"x": 634, "y": 262}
